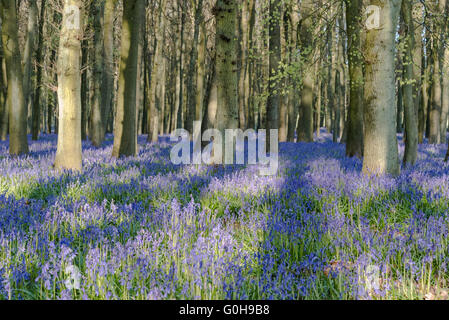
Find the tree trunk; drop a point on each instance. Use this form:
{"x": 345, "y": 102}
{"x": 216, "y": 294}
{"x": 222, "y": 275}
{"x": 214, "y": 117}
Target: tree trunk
{"x": 125, "y": 133}
{"x": 180, "y": 89}
{"x": 435, "y": 111}
{"x": 292, "y": 96}
{"x": 84, "y": 88}
{"x": 18, "y": 143}
{"x": 192, "y": 74}
{"x": 27, "y": 64}
{"x": 96, "y": 132}
{"x": 107, "y": 97}
{"x": 39, "y": 61}
{"x": 380, "y": 142}
{"x": 3, "y": 97}
{"x": 410, "y": 115}
{"x": 354, "y": 141}
{"x": 226, "y": 66}
{"x": 445, "y": 102}
{"x": 155, "y": 99}
{"x": 68, "y": 154}
{"x": 202, "y": 47}
{"x": 417, "y": 52}
{"x": 305, "y": 126}
{"x": 274, "y": 47}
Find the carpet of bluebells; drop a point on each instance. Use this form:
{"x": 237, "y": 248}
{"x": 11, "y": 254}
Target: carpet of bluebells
{"x": 143, "y": 228}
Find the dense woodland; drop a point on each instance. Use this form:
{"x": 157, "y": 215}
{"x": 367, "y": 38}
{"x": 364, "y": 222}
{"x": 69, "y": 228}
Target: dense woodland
{"x": 92, "y": 205}
{"x": 151, "y": 66}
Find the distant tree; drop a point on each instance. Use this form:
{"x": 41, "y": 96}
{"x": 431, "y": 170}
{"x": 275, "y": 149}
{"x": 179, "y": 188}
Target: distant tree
{"x": 305, "y": 125}
{"x": 437, "y": 9}
{"x": 193, "y": 111}
{"x": 33, "y": 15}
{"x": 36, "y": 110}
{"x": 107, "y": 89}
{"x": 157, "y": 71}
{"x": 96, "y": 126}
{"x": 274, "y": 47}
{"x": 410, "y": 111}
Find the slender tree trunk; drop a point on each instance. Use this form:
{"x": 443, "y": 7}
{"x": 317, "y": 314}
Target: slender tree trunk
{"x": 84, "y": 88}
{"x": 96, "y": 132}
{"x": 27, "y": 61}
{"x": 155, "y": 105}
{"x": 210, "y": 116}
{"x": 68, "y": 154}
{"x": 380, "y": 142}
{"x": 125, "y": 122}
{"x": 179, "y": 114}
{"x": 18, "y": 143}
{"x": 39, "y": 61}
{"x": 445, "y": 76}
{"x": 107, "y": 97}
{"x": 411, "y": 120}
{"x": 435, "y": 111}
{"x": 3, "y": 97}
{"x": 445, "y": 100}
{"x": 201, "y": 64}
{"x": 354, "y": 141}
{"x": 341, "y": 92}
{"x": 399, "y": 106}
{"x": 305, "y": 126}
{"x": 274, "y": 47}
{"x": 293, "y": 97}
{"x": 192, "y": 73}
{"x": 417, "y": 52}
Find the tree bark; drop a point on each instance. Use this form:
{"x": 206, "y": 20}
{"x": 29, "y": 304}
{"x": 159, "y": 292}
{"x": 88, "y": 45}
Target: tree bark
{"x": 155, "y": 99}
{"x": 192, "y": 108}
{"x": 380, "y": 142}
{"x": 96, "y": 132}
{"x": 274, "y": 47}
{"x": 305, "y": 126}
{"x": 293, "y": 96}
{"x": 226, "y": 66}
{"x": 354, "y": 141}
{"x": 125, "y": 133}
{"x": 410, "y": 114}
{"x": 18, "y": 143}
{"x": 417, "y": 52}
{"x": 3, "y": 95}
{"x": 27, "y": 64}
{"x": 39, "y": 61}
{"x": 68, "y": 154}
{"x": 435, "y": 111}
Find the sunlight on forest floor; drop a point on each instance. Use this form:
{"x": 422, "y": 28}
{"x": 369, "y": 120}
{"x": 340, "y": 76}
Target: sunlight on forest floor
{"x": 143, "y": 228}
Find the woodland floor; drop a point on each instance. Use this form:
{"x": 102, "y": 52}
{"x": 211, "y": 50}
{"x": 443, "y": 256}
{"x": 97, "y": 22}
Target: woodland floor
{"x": 143, "y": 228}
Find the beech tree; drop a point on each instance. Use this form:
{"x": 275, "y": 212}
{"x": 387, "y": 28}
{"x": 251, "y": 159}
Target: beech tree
{"x": 354, "y": 141}
{"x": 274, "y": 47}
{"x": 381, "y": 147}
{"x": 291, "y": 65}
{"x": 18, "y": 143}
{"x": 410, "y": 111}
{"x": 125, "y": 133}
{"x": 226, "y": 66}
{"x": 305, "y": 126}
{"x": 68, "y": 154}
